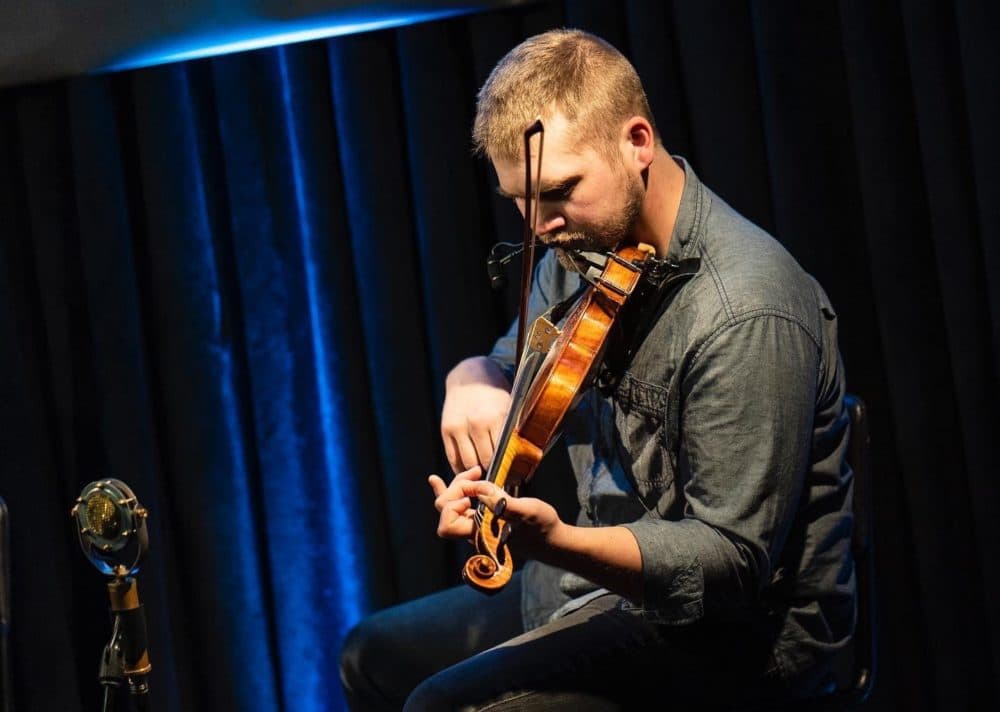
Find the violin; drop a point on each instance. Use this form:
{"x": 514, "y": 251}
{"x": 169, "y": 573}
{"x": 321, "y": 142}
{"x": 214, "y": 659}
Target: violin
{"x": 556, "y": 366}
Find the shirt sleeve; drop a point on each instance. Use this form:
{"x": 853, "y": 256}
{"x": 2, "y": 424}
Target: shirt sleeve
{"x": 746, "y": 426}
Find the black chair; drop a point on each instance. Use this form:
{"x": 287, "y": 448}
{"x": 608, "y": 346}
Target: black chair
{"x": 855, "y": 672}
{"x": 6, "y": 691}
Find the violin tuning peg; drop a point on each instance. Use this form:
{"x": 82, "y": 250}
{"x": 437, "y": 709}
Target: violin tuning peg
{"x": 504, "y": 535}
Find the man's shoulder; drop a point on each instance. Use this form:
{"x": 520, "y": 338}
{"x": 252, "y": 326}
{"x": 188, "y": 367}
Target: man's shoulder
{"x": 749, "y": 272}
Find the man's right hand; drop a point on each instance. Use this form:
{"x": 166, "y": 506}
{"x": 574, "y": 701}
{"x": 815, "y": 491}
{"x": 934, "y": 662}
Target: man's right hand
{"x": 476, "y": 401}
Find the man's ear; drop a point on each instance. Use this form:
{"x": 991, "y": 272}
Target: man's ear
{"x": 639, "y": 141}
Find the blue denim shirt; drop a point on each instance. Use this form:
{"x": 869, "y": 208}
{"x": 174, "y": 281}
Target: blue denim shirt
{"x": 717, "y": 436}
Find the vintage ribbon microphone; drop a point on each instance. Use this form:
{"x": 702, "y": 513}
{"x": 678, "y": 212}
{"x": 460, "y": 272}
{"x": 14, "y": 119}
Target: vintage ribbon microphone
{"x": 111, "y": 525}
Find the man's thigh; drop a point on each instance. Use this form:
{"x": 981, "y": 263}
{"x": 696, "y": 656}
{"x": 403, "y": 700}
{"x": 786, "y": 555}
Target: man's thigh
{"x": 599, "y": 657}
{"x": 389, "y": 653}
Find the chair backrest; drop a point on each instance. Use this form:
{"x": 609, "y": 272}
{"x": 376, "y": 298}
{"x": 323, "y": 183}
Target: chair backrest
{"x": 858, "y": 456}
{"x": 6, "y": 691}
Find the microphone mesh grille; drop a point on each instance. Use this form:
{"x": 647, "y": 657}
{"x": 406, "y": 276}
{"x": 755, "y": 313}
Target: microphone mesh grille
{"x": 102, "y": 515}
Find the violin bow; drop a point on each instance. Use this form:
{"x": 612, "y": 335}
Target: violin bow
{"x": 530, "y": 222}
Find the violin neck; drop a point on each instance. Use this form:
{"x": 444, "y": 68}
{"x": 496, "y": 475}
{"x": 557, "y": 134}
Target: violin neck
{"x": 531, "y": 360}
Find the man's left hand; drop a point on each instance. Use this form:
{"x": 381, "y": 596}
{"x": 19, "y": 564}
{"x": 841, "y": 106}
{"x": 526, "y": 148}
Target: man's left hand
{"x": 533, "y": 522}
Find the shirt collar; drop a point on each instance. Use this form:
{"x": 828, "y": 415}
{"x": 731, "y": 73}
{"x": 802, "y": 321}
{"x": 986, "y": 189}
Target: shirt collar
{"x": 687, "y": 225}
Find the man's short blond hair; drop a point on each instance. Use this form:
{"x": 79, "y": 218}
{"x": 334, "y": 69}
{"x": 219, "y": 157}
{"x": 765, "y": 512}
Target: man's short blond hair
{"x": 568, "y": 71}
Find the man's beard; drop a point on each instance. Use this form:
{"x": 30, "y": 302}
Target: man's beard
{"x": 604, "y": 236}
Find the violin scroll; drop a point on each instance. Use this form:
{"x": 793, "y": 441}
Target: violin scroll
{"x": 491, "y": 571}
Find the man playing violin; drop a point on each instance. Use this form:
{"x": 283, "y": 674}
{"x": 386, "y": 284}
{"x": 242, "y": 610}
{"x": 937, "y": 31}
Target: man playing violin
{"x": 710, "y": 561}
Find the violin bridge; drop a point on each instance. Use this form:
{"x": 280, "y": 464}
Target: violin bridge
{"x": 543, "y": 335}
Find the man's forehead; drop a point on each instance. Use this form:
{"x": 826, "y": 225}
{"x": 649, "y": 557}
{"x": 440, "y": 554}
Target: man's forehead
{"x": 557, "y": 137}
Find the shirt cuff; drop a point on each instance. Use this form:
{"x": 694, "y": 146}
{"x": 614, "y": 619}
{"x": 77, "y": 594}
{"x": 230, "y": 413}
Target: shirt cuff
{"x": 673, "y": 579}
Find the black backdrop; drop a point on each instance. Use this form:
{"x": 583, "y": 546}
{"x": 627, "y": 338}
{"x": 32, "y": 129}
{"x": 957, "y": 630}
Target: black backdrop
{"x": 237, "y": 284}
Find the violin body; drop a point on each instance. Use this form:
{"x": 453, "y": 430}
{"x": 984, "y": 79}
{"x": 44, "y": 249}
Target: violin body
{"x": 539, "y": 407}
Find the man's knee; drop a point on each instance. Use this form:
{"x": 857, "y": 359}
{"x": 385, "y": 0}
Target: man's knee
{"x": 365, "y": 652}
{"x": 351, "y": 653}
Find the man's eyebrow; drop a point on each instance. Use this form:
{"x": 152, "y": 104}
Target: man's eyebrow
{"x": 561, "y": 185}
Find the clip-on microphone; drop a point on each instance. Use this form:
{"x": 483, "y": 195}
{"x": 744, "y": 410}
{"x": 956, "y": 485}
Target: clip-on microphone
{"x": 494, "y": 264}
{"x": 111, "y": 525}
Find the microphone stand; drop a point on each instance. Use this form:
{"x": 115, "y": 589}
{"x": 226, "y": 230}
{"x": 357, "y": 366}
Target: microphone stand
{"x": 125, "y": 661}
{"x": 111, "y": 526}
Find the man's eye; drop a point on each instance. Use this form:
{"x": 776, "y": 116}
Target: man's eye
{"x": 556, "y": 194}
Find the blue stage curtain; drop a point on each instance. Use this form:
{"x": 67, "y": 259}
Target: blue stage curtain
{"x": 238, "y": 283}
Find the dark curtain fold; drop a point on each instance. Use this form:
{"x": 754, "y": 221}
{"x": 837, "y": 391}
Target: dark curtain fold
{"x": 238, "y": 284}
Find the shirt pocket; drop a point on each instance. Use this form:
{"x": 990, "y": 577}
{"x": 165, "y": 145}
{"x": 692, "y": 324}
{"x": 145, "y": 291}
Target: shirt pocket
{"x": 640, "y": 410}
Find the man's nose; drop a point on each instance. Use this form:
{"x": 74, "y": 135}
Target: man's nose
{"x": 548, "y": 223}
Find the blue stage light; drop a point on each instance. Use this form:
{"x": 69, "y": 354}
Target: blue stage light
{"x": 243, "y": 36}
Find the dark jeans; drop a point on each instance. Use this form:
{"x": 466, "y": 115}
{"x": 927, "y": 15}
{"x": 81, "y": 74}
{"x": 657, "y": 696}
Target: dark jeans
{"x": 461, "y": 650}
